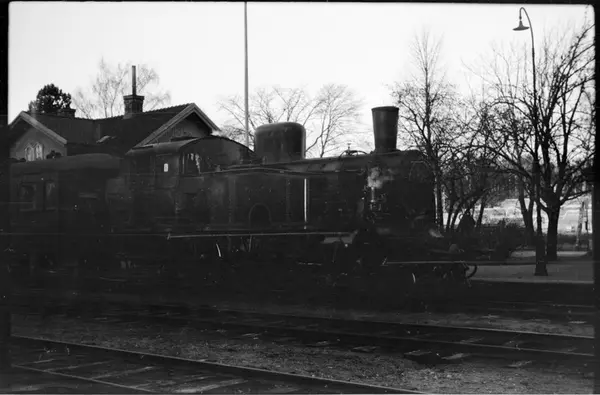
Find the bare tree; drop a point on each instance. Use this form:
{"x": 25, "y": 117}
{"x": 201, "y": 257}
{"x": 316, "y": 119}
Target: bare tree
{"x": 517, "y": 156}
{"x": 512, "y": 137}
{"x": 425, "y": 103}
{"x": 329, "y": 116}
{"x": 104, "y": 98}
{"x": 471, "y": 172}
{"x": 336, "y": 118}
{"x": 236, "y": 133}
{"x": 267, "y": 106}
{"x": 565, "y": 131}
{"x": 560, "y": 117}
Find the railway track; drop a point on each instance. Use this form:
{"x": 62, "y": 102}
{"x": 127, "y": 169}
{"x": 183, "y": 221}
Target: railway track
{"x": 547, "y": 309}
{"x": 429, "y": 343}
{"x": 531, "y": 310}
{"x": 424, "y": 343}
{"x": 540, "y": 311}
{"x": 135, "y": 372}
{"x": 543, "y": 310}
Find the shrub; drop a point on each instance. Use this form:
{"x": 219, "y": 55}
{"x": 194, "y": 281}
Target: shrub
{"x": 502, "y": 239}
{"x": 569, "y": 240}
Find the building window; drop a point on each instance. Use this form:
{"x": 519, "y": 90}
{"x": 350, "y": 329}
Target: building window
{"x": 29, "y": 154}
{"x": 39, "y": 152}
{"x": 178, "y": 131}
{"x": 34, "y": 151}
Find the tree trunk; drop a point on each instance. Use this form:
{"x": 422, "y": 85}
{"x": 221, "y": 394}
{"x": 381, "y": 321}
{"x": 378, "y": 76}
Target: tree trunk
{"x": 454, "y": 217}
{"x": 448, "y": 222}
{"x": 527, "y": 213}
{"x": 439, "y": 203}
{"x": 552, "y": 235}
{"x": 480, "y": 216}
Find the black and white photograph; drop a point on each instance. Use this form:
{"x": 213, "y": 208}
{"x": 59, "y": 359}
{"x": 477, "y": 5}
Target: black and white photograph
{"x": 299, "y": 198}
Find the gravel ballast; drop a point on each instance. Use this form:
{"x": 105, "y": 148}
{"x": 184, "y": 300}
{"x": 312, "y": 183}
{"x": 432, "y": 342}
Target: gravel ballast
{"x": 475, "y": 320}
{"x": 251, "y": 351}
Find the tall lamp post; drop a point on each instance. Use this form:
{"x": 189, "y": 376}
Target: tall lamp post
{"x": 540, "y": 253}
{"x": 246, "y": 71}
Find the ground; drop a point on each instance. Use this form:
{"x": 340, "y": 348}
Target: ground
{"x": 382, "y": 369}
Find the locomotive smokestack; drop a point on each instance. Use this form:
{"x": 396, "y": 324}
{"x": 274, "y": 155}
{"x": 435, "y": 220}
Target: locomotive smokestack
{"x": 385, "y": 128}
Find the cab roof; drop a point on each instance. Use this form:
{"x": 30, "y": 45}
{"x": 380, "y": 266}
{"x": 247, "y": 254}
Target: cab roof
{"x": 173, "y": 147}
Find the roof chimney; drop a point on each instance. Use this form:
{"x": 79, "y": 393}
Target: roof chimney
{"x": 134, "y": 104}
{"x": 133, "y": 80}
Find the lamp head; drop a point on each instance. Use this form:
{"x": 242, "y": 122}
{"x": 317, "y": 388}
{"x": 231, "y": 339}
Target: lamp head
{"x": 521, "y": 27}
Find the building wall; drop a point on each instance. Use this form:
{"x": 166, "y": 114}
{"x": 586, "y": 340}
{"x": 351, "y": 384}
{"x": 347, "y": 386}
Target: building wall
{"x": 32, "y": 137}
{"x": 187, "y": 127}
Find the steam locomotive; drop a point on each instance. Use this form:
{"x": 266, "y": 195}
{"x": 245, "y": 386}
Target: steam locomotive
{"x": 214, "y": 197}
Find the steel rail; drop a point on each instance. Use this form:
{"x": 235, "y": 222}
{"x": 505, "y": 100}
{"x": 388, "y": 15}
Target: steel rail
{"x": 149, "y": 360}
{"x": 482, "y": 342}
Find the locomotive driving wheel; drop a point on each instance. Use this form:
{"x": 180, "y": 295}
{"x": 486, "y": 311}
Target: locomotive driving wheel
{"x": 370, "y": 250}
{"x": 202, "y": 251}
{"x": 247, "y": 247}
{"x": 366, "y": 253}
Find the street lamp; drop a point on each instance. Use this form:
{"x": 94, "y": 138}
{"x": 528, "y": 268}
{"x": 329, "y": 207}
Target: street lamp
{"x": 540, "y": 253}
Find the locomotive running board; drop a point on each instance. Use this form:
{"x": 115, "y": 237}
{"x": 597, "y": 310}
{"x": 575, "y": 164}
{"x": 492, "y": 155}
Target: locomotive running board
{"x": 346, "y": 238}
{"x": 241, "y": 234}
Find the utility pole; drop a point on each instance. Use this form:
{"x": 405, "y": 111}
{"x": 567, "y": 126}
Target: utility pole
{"x": 246, "y": 71}
{"x": 596, "y": 256}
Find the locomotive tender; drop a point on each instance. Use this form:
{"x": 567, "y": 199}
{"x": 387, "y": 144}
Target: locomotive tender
{"x": 214, "y": 196}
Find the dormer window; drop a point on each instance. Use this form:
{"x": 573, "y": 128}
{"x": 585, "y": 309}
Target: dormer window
{"x": 34, "y": 151}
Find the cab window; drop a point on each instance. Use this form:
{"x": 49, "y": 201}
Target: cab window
{"x": 143, "y": 165}
{"x": 27, "y": 201}
{"x": 190, "y": 164}
{"x": 142, "y": 171}
{"x": 208, "y": 155}
{"x": 50, "y": 195}
{"x": 195, "y": 163}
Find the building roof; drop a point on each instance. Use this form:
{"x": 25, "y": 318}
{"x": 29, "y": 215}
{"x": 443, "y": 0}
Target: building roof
{"x": 75, "y": 130}
{"x": 130, "y": 131}
{"x": 123, "y": 132}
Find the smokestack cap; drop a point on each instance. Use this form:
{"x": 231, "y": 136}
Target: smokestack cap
{"x": 385, "y": 108}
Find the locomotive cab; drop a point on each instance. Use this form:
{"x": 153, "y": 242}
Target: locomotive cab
{"x": 164, "y": 176}
{"x": 152, "y": 172}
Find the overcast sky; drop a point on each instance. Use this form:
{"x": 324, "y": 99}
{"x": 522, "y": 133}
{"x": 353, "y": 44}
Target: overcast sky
{"x": 198, "y": 48}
